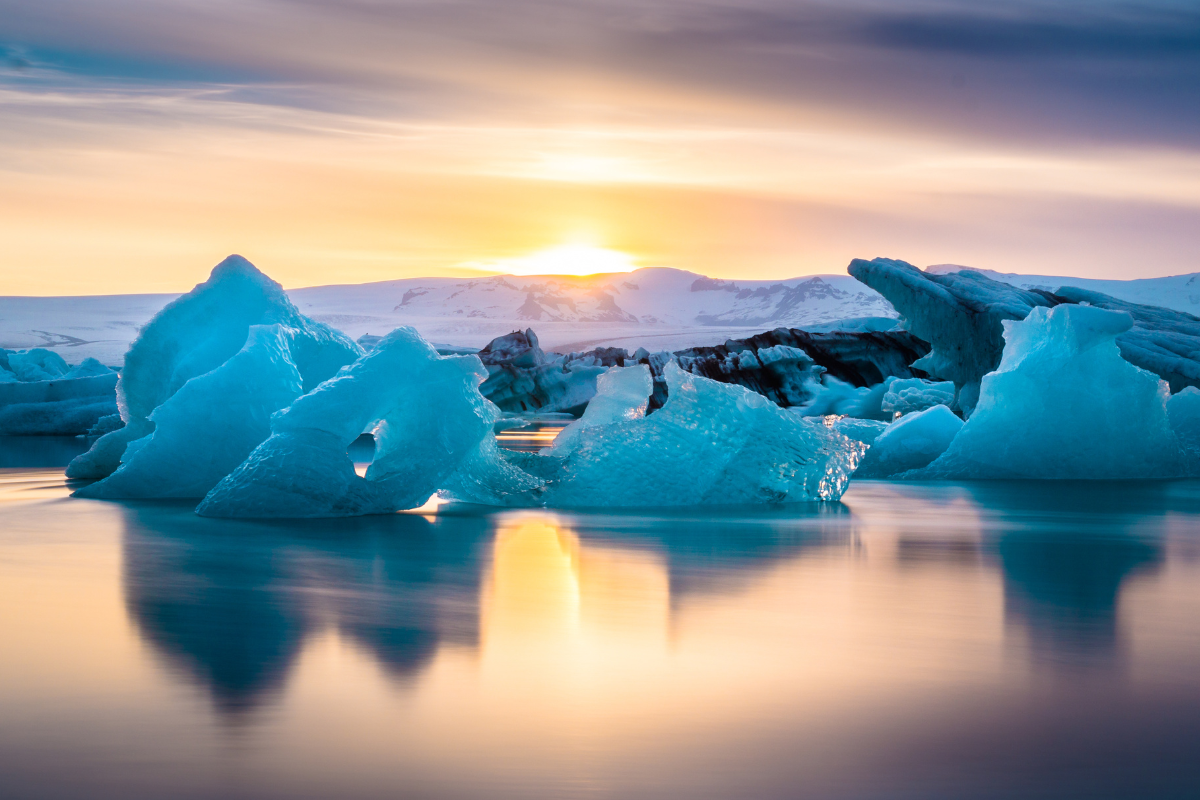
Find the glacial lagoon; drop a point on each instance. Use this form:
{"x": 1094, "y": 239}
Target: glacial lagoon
{"x": 936, "y": 640}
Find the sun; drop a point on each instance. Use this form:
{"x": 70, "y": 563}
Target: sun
{"x": 566, "y": 259}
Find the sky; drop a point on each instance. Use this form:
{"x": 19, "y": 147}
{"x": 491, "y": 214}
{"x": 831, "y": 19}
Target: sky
{"x": 141, "y": 141}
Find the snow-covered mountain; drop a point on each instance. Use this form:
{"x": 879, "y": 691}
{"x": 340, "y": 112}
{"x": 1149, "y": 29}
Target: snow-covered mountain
{"x": 658, "y": 308}
{"x": 654, "y": 296}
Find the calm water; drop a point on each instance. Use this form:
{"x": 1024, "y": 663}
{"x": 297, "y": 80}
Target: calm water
{"x": 914, "y": 641}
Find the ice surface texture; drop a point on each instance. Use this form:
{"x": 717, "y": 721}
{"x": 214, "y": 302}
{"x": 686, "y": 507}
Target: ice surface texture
{"x": 960, "y": 314}
{"x": 1162, "y": 341}
{"x": 911, "y": 442}
{"x": 710, "y": 444}
{"x": 913, "y": 394}
{"x": 425, "y": 412}
{"x": 791, "y": 367}
{"x": 208, "y": 427}
{"x": 196, "y": 337}
{"x": 40, "y": 395}
{"x": 1064, "y": 404}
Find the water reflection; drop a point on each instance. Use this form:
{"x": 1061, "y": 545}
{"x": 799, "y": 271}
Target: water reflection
{"x": 231, "y": 603}
{"x": 914, "y": 637}
{"x": 1066, "y": 550}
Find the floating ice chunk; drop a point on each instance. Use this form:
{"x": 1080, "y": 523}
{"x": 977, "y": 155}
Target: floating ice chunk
{"x": 425, "y": 412}
{"x": 199, "y": 332}
{"x": 207, "y": 428}
{"x": 61, "y": 407}
{"x": 959, "y": 313}
{"x": 860, "y": 430}
{"x": 622, "y": 393}
{"x": 87, "y": 368}
{"x": 1183, "y": 410}
{"x": 911, "y": 442}
{"x": 1162, "y": 341}
{"x": 1064, "y": 404}
{"x": 106, "y": 424}
{"x": 832, "y": 396}
{"x": 37, "y": 364}
{"x": 914, "y": 394}
{"x": 711, "y": 443}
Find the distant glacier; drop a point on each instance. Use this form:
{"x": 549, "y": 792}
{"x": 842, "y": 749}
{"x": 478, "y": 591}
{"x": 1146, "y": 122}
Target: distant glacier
{"x": 658, "y": 308}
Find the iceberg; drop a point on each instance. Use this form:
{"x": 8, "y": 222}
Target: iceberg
{"x": 521, "y": 377}
{"x": 911, "y": 442}
{"x": 37, "y": 364}
{"x": 206, "y": 429}
{"x": 424, "y": 410}
{"x": 1162, "y": 341}
{"x": 41, "y": 395}
{"x": 914, "y": 394}
{"x": 195, "y": 335}
{"x": 711, "y": 443}
{"x": 1183, "y": 410}
{"x": 622, "y": 395}
{"x": 1064, "y": 404}
{"x": 61, "y": 407}
{"x": 791, "y": 367}
{"x": 960, "y": 314}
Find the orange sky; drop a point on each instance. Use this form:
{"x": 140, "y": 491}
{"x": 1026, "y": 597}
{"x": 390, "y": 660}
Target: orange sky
{"x": 144, "y": 145}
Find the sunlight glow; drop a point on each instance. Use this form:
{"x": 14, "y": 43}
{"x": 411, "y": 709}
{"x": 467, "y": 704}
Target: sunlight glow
{"x": 567, "y": 259}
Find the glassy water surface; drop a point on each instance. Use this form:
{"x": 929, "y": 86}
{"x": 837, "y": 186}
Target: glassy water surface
{"x": 914, "y": 641}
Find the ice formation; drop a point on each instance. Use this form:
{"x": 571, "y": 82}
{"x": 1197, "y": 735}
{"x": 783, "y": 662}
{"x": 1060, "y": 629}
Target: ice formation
{"x": 41, "y": 395}
{"x": 425, "y": 412}
{"x": 37, "y": 364}
{"x": 622, "y": 394}
{"x": 521, "y": 377}
{"x": 231, "y": 405}
{"x": 1064, "y": 404}
{"x": 960, "y": 314}
{"x": 911, "y": 442}
{"x": 914, "y": 394}
{"x": 710, "y": 444}
{"x": 62, "y": 407}
{"x": 1162, "y": 341}
{"x": 1183, "y": 410}
{"x": 194, "y": 335}
{"x": 785, "y": 365}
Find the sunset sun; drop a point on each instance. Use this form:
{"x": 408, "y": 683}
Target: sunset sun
{"x": 566, "y": 259}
